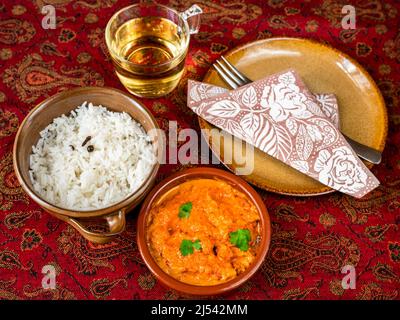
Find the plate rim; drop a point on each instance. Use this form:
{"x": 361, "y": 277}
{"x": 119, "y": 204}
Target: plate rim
{"x": 323, "y": 189}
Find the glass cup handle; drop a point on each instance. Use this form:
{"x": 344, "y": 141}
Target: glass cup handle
{"x": 192, "y": 16}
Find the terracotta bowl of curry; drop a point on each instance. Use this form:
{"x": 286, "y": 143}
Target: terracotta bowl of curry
{"x": 203, "y": 231}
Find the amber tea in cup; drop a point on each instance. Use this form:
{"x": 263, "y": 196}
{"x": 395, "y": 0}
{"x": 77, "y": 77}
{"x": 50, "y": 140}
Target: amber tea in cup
{"x": 148, "y": 46}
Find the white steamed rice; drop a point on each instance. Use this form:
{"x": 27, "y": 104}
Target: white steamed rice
{"x": 66, "y": 174}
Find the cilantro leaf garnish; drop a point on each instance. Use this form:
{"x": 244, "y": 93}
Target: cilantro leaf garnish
{"x": 240, "y": 238}
{"x": 197, "y": 245}
{"x": 187, "y": 246}
{"x": 184, "y": 210}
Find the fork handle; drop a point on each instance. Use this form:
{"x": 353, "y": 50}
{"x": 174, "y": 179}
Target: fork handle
{"x": 364, "y": 151}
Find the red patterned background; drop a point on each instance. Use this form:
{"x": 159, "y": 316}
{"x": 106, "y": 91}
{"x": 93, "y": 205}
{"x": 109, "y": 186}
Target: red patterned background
{"x": 313, "y": 238}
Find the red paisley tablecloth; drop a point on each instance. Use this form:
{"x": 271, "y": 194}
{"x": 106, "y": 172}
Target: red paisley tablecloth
{"x": 313, "y": 238}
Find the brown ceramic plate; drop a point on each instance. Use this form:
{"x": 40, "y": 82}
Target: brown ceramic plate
{"x": 363, "y": 114}
{"x": 198, "y": 173}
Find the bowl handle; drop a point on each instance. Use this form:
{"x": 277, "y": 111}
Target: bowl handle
{"x": 116, "y": 223}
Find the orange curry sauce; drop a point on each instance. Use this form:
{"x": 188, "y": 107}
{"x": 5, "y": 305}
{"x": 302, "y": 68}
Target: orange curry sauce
{"x": 217, "y": 209}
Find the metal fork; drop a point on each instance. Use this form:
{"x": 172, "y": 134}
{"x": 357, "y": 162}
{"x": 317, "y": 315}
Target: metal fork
{"x": 235, "y": 79}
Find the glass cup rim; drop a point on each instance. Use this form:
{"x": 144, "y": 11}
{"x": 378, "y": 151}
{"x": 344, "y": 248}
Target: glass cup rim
{"x": 171, "y": 61}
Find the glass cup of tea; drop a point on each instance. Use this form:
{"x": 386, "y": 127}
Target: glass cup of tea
{"x": 148, "y": 44}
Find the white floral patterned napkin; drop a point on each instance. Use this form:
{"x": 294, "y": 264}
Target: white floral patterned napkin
{"x": 281, "y": 117}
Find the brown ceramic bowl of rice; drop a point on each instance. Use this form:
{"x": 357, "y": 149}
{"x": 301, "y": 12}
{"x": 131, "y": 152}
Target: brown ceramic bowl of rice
{"x": 88, "y": 156}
